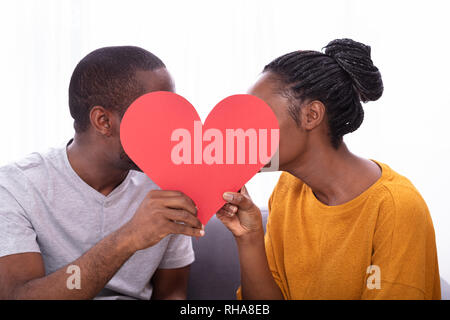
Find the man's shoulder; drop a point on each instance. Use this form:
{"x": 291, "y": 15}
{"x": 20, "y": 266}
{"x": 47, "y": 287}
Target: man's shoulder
{"x": 30, "y": 169}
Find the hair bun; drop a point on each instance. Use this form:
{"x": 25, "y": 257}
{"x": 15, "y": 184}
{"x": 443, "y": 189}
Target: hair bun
{"x": 354, "y": 58}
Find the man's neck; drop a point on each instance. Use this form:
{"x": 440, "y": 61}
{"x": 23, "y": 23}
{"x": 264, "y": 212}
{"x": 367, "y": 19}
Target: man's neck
{"x": 90, "y": 163}
{"x": 335, "y": 176}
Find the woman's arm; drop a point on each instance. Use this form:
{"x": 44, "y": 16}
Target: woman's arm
{"x": 243, "y": 218}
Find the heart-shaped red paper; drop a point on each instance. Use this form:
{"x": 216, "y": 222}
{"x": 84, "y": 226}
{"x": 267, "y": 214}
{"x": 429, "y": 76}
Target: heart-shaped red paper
{"x": 155, "y": 134}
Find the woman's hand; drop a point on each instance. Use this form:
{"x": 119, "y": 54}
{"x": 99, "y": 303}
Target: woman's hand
{"x": 240, "y": 215}
{"x": 244, "y": 220}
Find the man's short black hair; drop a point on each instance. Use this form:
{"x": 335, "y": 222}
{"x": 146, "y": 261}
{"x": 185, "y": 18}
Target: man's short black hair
{"x": 107, "y": 77}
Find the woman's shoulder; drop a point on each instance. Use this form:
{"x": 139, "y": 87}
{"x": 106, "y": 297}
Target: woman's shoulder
{"x": 287, "y": 187}
{"x": 398, "y": 185}
{"x": 403, "y": 197}
{"x": 287, "y": 183}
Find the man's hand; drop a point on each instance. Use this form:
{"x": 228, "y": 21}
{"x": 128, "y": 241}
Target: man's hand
{"x": 240, "y": 215}
{"x": 160, "y": 214}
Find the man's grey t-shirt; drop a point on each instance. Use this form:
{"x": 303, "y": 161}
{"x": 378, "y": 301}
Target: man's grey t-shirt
{"x": 46, "y": 207}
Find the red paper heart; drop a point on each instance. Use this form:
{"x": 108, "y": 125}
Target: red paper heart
{"x": 154, "y": 133}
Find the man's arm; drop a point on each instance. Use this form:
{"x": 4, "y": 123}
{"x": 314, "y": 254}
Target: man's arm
{"x": 170, "y": 284}
{"x": 22, "y": 276}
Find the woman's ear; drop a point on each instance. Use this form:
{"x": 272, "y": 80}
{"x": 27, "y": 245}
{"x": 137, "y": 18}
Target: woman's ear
{"x": 101, "y": 120}
{"x": 312, "y": 114}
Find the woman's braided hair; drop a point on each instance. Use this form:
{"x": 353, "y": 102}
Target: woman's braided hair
{"x": 340, "y": 78}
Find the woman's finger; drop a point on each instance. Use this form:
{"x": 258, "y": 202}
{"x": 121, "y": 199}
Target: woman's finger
{"x": 238, "y": 199}
{"x": 245, "y": 192}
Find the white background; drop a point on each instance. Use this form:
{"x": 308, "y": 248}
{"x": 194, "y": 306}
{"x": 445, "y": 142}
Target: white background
{"x": 217, "y": 48}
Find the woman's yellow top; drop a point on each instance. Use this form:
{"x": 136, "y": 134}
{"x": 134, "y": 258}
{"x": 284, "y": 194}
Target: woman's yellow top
{"x": 380, "y": 245}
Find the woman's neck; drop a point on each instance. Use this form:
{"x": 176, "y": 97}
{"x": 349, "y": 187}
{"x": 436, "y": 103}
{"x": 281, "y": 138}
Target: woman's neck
{"x": 335, "y": 176}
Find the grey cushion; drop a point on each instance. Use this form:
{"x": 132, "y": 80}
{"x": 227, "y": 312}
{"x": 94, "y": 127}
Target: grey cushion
{"x": 215, "y": 273}
{"x": 445, "y": 290}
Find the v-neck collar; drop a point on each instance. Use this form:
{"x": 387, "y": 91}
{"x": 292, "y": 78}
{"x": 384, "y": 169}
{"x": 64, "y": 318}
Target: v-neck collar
{"x": 98, "y": 196}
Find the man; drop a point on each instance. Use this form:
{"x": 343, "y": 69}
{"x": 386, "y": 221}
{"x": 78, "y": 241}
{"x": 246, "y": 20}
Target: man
{"x": 81, "y": 222}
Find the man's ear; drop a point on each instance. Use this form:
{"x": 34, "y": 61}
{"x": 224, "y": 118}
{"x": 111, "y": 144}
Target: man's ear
{"x": 101, "y": 120}
{"x": 312, "y": 114}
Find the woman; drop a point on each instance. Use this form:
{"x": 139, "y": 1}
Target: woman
{"x": 339, "y": 226}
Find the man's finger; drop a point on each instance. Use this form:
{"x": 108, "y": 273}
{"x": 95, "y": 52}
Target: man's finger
{"x": 180, "y": 202}
{"x": 183, "y": 216}
{"x": 170, "y": 194}
{"x": 176, "y": 228}
{"x": 164, "y": 193}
